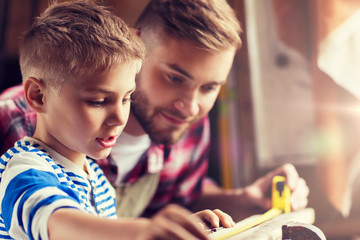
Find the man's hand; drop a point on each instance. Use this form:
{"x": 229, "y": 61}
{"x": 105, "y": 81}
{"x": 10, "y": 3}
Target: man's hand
{"x": 255, "y": 198}
{"x": 257, "y": 192}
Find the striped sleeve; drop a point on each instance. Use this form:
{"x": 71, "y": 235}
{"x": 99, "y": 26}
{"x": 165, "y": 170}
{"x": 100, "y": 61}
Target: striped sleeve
{"x": 30, "y": 191}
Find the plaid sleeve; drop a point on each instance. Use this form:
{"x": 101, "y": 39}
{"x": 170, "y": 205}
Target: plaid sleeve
{"x": 17, "y": 119}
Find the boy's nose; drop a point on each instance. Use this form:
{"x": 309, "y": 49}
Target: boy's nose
{"x": 118, "y": 117}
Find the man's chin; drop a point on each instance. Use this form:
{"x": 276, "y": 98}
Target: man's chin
{"x": 166, "y": 139}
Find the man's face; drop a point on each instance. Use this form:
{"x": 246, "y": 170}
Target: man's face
{"x": 178, "y": 85}
{"x": 89, "y": 113}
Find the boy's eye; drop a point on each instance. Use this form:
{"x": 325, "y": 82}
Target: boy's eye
{"x": 175, "y": 79}
{"x": 96, "y": 103}
{"x": 127, "y": 100}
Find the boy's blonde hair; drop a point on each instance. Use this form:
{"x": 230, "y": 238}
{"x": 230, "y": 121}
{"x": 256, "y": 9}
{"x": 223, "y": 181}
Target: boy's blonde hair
{"x": 211, "y": 24}
{"x": 75, "y": 38}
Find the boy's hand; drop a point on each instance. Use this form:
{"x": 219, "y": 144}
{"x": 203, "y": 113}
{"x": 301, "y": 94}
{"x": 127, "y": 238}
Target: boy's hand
{"x": 215, "y": 218}
{"x": 173, "y": 222}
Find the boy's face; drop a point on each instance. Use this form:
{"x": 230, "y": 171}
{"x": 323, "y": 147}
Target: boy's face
{"x": 89, "y": 112}
{"x": 178, "y": 84}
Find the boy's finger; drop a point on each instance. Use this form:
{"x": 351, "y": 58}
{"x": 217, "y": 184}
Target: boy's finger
{"x": 225, "y": 219}
{"x": 182, "y": 217}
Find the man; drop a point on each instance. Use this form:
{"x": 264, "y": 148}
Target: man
{"x": 191, "y": 46}
{"x": 164, "y": 147}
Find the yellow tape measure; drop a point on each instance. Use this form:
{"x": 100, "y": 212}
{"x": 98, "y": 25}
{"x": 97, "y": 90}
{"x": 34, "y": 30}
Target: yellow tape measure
{"x": 280, "y": 204}
{"x": 280, "y": 194}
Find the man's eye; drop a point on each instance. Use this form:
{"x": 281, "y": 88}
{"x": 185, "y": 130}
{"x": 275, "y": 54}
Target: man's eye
{"x": 208, "y": 88}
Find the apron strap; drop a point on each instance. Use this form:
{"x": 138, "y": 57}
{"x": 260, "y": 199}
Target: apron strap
{"x": 132, "y": 199}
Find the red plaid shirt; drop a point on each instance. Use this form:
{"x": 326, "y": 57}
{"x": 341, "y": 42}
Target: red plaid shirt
{"x": 184, "y": 163}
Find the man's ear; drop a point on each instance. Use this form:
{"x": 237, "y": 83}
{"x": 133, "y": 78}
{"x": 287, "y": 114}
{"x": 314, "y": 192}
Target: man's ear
{"x": 34, "y": 94}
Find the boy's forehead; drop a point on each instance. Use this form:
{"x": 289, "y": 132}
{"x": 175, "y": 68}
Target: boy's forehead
{"x": 123, "y": 72}
{"x": 90, "y": 75}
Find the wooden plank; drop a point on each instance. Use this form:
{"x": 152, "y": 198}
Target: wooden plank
{"x": 271, "y": 229}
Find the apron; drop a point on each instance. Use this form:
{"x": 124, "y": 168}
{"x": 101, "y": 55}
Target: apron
{"x": 133, "y": 198}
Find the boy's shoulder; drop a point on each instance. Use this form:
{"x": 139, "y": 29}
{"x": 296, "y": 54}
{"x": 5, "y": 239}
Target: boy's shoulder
{"x": 24, "y": 148}
{"x": 25, "y": 145}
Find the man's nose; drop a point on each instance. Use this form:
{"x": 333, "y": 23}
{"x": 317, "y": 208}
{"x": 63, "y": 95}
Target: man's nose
{"x": 187, "y": 106}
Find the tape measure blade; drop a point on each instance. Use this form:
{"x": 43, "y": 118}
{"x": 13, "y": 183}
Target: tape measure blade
{"x": 238, "y": 229}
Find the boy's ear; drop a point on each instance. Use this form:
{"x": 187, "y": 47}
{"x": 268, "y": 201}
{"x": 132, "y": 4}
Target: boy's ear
{"x": 136, "y": 31}
{"x": 34, "y": 94}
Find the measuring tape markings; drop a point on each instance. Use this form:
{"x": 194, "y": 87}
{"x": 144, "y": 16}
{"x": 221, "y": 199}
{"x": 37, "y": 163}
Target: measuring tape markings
{"x": 280, "y": 204}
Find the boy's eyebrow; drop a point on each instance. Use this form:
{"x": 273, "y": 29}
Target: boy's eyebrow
{"x": 178, "y": 69}
{"x": 101, "y": 90}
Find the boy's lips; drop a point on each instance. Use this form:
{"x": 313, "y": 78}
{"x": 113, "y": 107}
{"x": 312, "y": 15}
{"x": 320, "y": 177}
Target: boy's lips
{"x": 107, "y": 142}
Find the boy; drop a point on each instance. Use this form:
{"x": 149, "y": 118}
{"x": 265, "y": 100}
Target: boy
{"x": 78, "y": 63}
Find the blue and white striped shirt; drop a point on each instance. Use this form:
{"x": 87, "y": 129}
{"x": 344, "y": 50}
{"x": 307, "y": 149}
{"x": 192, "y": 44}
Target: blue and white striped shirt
{"x": 35, "y": 181}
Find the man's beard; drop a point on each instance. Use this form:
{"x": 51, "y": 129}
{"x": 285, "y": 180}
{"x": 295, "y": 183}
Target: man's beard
{"x": 141, "y": 109}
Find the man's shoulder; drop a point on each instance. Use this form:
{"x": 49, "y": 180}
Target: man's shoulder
{"x": 200, "y": 126}
{"x": 13, "y": 106}
{"x": 18, "y": 119}
{"x": 196, "y": 139}
{"x": 199, "y": 130}
{"x": 13, "y": 99}
{"x": 12, "y": 92}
